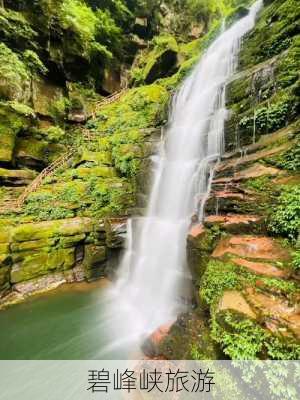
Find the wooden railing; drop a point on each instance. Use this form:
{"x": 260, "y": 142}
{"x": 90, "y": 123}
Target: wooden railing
{"x": 110, "y": 99}
{"x": 48, "y": 171}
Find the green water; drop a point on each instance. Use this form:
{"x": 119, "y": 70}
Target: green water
{"x": 68, "y": 323}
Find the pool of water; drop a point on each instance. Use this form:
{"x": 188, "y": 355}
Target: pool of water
{"x": 69, "y": 323}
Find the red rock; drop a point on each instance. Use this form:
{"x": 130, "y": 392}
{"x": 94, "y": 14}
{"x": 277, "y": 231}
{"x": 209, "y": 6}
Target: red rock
{"x": 232, "y": 219}
{"x": 234, "y": 300}
{"x": 161, "y": 333}
{"x": 196, "y": 230}
{"x": 230, "y": 195}
{"x": 278, "y": 308}
{"x": 252, "y": 247}
{"x": 261, "y": 268}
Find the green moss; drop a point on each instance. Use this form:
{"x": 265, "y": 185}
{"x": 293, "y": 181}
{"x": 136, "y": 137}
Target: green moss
{"x": 285, "y": 216}
{"x": 4, "y": 278}
{"x": 270, "y": 116}
{"x": 33, "y": 62}
{"x": 243, "y": 339}
{"x": 94, "y": 258}
{"x": 12, "y": 121}
{"x": 77, "y": 17}
{"x": 273, "y": 33}
{"x": 15, "y": 29}
{"x": 38, "y": 264}
{"x": 286, "y": 288}
{"x": 217, "y": 278}
{"x": 159, "y": 62}
{"x": 290, "y": 160}
{"x": 14, "y": 76}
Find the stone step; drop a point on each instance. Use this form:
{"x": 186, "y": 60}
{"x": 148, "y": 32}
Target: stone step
{"x": 279, "y": 314}
{"x": 261, "y": 268}
{"x": 253, "y": 247}
{"x": 255, "y": 171}
{"x": 231, "y": 200}
{"x": 234, "y": 300}
{"x": 236, "y": 223}
{"x": 263, "y": 142}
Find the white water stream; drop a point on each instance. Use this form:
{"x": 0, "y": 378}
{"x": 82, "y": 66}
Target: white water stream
{"x": 148, "y": 291}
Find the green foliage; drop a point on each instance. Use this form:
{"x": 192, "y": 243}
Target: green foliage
{"x": 33, "y": 62}
{"x": 284, "y": 287}
{"x": 96, "y": 31}
{"x": 285, "y": 218}
{"x": 242, "y": 339}
{"x": 273, "y": 33}
{"x": 296, "y": 261}
{"x": 217, "y": 278}
{"x": 121, "y": 125}
{"x": 54, "y": 134}
{"x": 14, "y": 76}
{"x": 290, "y": 160}
{"x": 59, "y": 109}
{"x": 270, "y": 117}
{"x": 16, "y": 30}
{"x": 41, "y": 208}
{"x": 259, "y": 184}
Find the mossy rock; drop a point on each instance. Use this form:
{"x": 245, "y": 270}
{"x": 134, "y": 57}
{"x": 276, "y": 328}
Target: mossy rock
{"x": 5, "y": 233}
{"x": 5, "y": 259}
{"x": 12, "y": 121}
{"x": 189, "y": 338}
{"x": 45, "y": 97}
{"x": 71, "y": 241}
{"x": 160, "y": 62}
{"x": 38, "y": 264}
{"x": 4, "y": 278}
{"x": 36, "y": 153}
{"x": 14, "y": 76}
{"x": 32, "y": 245}
{"x": 94, "y": 259}
{"x": 199, "y": 249}
{"x": 100, "y": 158}
{"x": 16, "y": 177}
{"x": 273, "y": 33}
{"x": 100, "y": 172}
{"x": 4, "y": 248}
{"x": 50, "y": 229}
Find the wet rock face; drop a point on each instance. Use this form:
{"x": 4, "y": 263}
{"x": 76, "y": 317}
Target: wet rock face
{"x": 163, "y": 66}
{"x": 51, "y": 252}
{"x": 246, "y": 277}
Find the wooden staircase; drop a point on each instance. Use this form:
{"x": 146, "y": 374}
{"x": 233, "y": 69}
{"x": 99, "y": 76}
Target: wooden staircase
{"x": 16, "y": 205}
{"x": 48, "y": 171}
{"x": 88, "y": 136}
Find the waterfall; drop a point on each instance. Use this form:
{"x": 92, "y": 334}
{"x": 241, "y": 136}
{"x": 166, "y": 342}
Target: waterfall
{"x": 148, "y": 291}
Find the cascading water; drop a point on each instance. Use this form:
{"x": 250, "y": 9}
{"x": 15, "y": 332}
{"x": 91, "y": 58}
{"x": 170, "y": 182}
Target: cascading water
{"x": 147, "y": 293}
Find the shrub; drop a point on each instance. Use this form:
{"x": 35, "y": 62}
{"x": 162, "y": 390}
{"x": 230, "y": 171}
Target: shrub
{"x": 285, "y": 219}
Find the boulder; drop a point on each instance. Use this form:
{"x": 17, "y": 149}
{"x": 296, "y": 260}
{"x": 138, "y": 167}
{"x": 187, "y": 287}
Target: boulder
{"x": 16, "y": 177}
{"x": 31, "y": 265}
{"x": 52, "y": 229}
{"x": 44, "y": 97}
{"x": 99, "y": 158}
{"x": 37, "y": 153}
{"x": 256, "y": 247}
{"x": 111, "y": 82}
